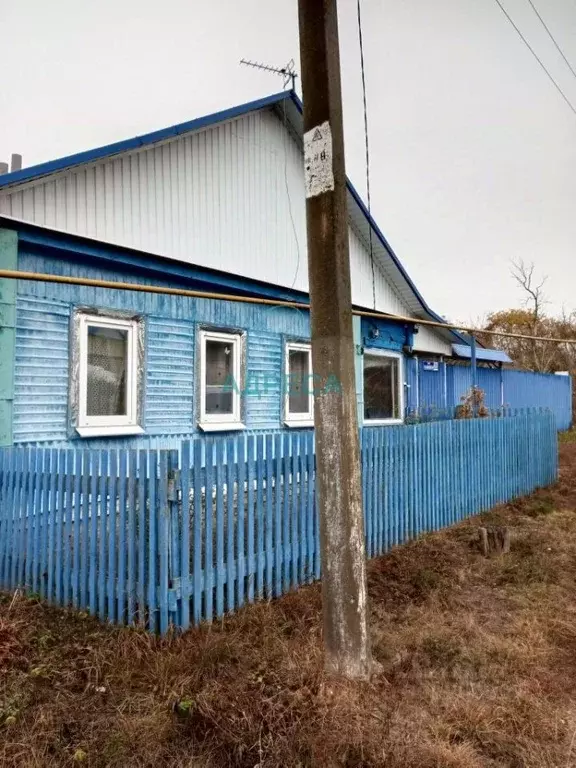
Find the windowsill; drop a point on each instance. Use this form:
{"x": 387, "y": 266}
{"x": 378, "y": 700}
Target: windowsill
{"x": 382, "y": 422}
{"x": 109, "y": 431}
{"x": 207, "y": 426}
{"x": 296, "y": 424}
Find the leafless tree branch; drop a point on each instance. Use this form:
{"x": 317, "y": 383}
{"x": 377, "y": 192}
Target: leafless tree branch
{"x": 535, "y": 299}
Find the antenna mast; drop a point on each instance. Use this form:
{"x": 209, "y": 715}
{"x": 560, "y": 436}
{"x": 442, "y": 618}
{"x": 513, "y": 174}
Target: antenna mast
{"x": 288, "y": 72}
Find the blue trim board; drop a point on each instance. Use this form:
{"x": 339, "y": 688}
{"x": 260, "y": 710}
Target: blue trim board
{"x": 137, "y": 142}
{"x": 39, "y": 239}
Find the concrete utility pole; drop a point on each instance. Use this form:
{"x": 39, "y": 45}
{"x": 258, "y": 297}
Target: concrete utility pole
{"x": 343, "y": 556}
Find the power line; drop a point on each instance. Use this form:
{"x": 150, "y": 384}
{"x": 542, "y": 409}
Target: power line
{"x": 533, "y": 52}
{"x": 367, "y": 144}
{"x": 551, "y": 36}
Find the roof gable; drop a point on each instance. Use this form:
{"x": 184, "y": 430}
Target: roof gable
{"x": 137, "y": 142}
{"x": 287, "y": 105}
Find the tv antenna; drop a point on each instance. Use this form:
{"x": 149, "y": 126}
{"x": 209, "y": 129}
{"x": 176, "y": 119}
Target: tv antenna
{"x": 288, "y": 72}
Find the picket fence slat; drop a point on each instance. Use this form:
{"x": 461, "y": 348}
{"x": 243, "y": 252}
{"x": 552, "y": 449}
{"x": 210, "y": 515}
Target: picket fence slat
{"x": 150, "y": 477}
{"x": 185, "y": 532}
{"x": 269, "y": 498}
{"x": 162, "y": 520}
{"x": 142, "y": 571}
{"x": 220, "y": 487}
{"x": 277, "y": 516}
{"x": 166, "y": 538}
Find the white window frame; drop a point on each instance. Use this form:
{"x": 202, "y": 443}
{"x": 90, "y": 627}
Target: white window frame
{"x": 94, "y": 426}
{"x": 298, "y": 419}
{"x": 375, "y": 352}
{"x": 211, "y": 422}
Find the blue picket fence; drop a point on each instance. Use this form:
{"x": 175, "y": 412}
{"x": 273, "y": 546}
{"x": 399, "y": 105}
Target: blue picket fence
{"x": 161, "y": 538}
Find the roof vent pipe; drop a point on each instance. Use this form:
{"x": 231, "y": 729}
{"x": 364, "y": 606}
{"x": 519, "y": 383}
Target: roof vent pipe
{"x": 16, "y": 163}
{"x": 3, "y": 168}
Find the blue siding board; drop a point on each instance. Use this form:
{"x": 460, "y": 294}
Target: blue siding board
{"x": 170, "y": 377}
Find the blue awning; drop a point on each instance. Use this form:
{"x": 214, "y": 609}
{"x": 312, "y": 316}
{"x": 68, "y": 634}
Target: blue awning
{"x": 482, "y": 354}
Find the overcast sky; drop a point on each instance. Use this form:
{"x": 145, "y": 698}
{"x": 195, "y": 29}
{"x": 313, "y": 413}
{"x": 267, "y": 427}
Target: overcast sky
{"x": 473, "y": 150}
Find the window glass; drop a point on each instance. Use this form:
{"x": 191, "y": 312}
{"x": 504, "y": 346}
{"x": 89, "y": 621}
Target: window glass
{"x": 106, "y": 373}
{"x": 298, "y": 381}
{"x": 219, "y": 377}
{"x": 381, "y": 382}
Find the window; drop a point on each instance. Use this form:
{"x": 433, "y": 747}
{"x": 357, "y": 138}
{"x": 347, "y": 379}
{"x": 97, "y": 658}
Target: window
{"x": 220, "y": 380}
{"x": 383, "y": 387}
{"x": 299, "y": 398}
{"x": 108, "y": 376}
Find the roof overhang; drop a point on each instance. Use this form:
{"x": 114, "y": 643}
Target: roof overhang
{"x": 482, "y": 354}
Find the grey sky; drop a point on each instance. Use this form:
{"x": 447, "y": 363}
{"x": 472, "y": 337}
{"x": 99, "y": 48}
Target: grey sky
{"x": 473, "y": 151}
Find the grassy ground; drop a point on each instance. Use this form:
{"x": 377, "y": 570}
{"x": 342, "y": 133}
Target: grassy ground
{"x": 478, "y": 668}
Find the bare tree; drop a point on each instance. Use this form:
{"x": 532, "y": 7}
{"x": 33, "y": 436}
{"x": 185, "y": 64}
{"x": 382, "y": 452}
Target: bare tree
{"x": 523, "y": 274}
{"x": 542, "y": 353}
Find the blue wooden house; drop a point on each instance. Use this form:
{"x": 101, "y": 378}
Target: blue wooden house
{"x": 215, "y": 204}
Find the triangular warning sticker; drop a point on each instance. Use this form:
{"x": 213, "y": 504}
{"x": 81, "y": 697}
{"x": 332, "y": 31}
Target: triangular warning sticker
{"x": 317, "y": 135}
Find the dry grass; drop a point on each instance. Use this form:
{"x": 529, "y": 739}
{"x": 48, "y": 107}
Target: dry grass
{"x": 477, "y": 668}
